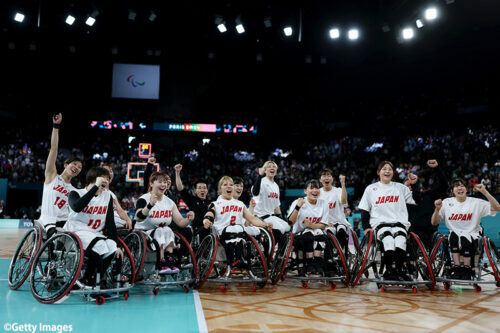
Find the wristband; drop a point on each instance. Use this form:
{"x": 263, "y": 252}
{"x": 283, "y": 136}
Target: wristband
{"x": 55, "y": 125}
{"x": 150, "y": 205}
{"x": 297, "y": 208}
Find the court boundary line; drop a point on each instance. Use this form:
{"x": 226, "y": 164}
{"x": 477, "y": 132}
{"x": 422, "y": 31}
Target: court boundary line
{"x": 200, "y": 315}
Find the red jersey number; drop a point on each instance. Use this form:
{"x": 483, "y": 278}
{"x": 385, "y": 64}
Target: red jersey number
{"x": 60, "y": 202}
{"x": 94, "y": 224}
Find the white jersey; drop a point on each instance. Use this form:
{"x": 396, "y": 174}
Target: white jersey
{"x": 268, "y": 198}
{"x": 228, "y": 212}
{"x": 464, "y": 218}
{"x": 159, "y": 215}
{"x": 335, "y": 206}
{"x": 55, "y": 201}
{"x": 386, "y": 203}
{"x": 314, "y": 213}
{"x": 93, "y": 217}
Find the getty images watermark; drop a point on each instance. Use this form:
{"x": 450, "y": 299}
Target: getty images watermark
{"x": 19, "y": 327}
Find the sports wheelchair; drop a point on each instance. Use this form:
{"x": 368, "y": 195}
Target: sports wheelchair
{"x": 485, "y": 262}
{"x": 213, "y": 265}
{"x": 146, "y": 255}
{"x": 371, "y": 255}
{"x": 290, "y": 261}
{"x": 58, "y": 271}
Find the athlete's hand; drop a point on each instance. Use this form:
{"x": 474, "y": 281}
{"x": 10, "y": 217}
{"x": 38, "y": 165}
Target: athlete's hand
{"x": 119, "y": 253}
{"x": 300, "y": 202}
{"x": 438, "y": 203}
{"x": 262, "y": 171}
{"x": 178, "y": 168}
{"x": 128, "y": 224}
{"x": 207, "y": 224}
{"x": 412, "y": 178}
{"x": 101, "y": 181}
{"x": 252, "y": 203}
{"x": 269, "y": 225}
{"x": 480, "y": 188}
{"x": 366, "y": 231}
{"x": 190, "y": 216}
{"x": 432, "y": 163}
{"x": 57, "y": 119}
{"x": 152, "y": 160}
{"x": 308, "y": 224}
{"x": 342, "y": 179}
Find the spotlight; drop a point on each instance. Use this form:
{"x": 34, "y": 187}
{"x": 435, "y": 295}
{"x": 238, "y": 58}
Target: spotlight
{"x": 90, "y": 21}
{"x": 334, "y": 33}
{"x": 222, "y": 27}
{"x": 19, "y": 17}
{"x": 431, "y": 14}
{"x": 70, "y": 20}
{"x": 152, "y": 17}
{"x": 407, "y": 33}
{"x": 240, "y": 28}
{"x": 288, "y": 31}
{"x": 353, "y": 34}
{"x": 419, "y": 23}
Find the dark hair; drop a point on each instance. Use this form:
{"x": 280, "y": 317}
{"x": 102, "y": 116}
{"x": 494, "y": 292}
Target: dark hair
{"x": 73, "y": 159}
{"x": 325, "y": 172}
{"x": 200, "y": 181}
{"x": 381, "y": 165}
{"x": 456, "y": 182}
{"x": 95, "y": 172}
{"x": 238, "y": 180}
{"x": 157, "y": 176}
{"x": 313, "y": 183}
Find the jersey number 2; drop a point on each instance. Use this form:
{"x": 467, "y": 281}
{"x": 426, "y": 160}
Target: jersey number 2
{"x": 233, "y": 219}
{"x": 95, "y": 223}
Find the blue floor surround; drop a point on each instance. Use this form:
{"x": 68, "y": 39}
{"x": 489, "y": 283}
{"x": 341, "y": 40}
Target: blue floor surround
{"x": 170, "y": 311}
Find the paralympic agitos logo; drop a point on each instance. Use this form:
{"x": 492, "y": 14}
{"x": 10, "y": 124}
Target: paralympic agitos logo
{"x": 133, "y": 82}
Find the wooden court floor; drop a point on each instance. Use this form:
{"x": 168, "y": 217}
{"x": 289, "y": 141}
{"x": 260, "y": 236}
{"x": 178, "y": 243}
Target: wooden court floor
{"x": 289, "y": 308}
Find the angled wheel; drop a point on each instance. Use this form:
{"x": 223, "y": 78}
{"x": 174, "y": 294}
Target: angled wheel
{"x": 281, "y": 257}
{"x": 439, "y": 254}
{"x": 187, "y": 257}
{"x": 56, "y": 267}
{"x": 258, "y": 264}
{"x": 126, "y": 270}
{"x": 335, "y": 256}
{"x": 23, "y": 258}
{"x": 266, "y": 239}
{"x": 421, "y": 260}
{"x": 137, "y": 244}
{"x": 205, "y": 258}
{"x": 361, "y": 259}
{"x": 492, "y": 254}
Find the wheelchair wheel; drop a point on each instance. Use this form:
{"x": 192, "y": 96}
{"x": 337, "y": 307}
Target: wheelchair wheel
{"x": 136, "y": 243}
{"x": 355, "y": 240}
{"x": 268, "y": 242}
{"x": 186, "y": 255}
{"x": 281, "y": 258}
{"x": 258, "y": 264}
{"x": 438, "y": 254}
{"x": 56, "y": 267}
{"x": 205, "y": 258}
{"x": 361, "y": 257}
{"x": 333, "y": 252}
{"x": 492, "y": 253}
{"x": 23, "y": 258}
{"x": 422, "y": 262}
{"x": 127, "y": 268}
